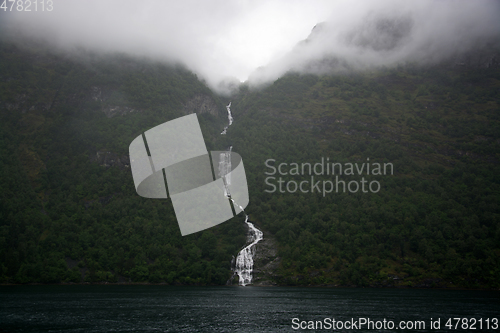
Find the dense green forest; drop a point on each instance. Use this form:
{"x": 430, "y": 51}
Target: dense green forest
{"x": 68, "y": 214}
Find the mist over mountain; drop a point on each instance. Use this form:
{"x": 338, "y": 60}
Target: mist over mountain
{"x": 219, "y": 41}
{"x": 224, "y": 43}
{"x": 389, "y": 33}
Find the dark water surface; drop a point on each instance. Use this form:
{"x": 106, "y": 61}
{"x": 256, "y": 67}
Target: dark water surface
{"x": 111, "y": 308}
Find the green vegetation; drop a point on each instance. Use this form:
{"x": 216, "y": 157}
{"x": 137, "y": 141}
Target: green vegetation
{"x": 435, "y": 222}
{"x": 65, "y": 218}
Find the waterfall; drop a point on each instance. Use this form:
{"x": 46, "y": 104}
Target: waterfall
{"x": 244, "y": 261}
{"x": 225, "y": 170}
{"x": 229, "y": 117}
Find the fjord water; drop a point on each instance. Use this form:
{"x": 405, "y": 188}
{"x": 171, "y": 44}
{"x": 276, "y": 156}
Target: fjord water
{"x": 114, "y": 308}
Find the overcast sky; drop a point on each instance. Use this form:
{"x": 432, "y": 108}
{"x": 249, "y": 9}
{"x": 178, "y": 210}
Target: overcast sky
{"x": 219, "y": 39}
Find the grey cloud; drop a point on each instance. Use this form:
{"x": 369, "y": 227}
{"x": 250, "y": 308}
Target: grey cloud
{"x": 385, "y": 33}
{"x": 202, "y": 34}
{"x": 169, "y": 31}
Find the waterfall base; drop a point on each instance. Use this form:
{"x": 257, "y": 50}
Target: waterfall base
{"x": 244, "y": 263}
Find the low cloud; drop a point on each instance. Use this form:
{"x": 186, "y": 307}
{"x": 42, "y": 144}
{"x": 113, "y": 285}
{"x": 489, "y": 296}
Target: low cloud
{"x": 225, "y": 42}
{"x": 221, "y": 41}
{"x": 384, "y": 33}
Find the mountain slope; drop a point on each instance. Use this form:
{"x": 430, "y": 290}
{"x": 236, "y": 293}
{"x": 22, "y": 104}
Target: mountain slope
{"x": 435, "y": 220}
{"x": 69, "y": 211}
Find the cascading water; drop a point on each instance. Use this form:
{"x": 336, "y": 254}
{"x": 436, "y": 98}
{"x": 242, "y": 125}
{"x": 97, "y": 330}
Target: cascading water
{"x": 229, "y": 117}
{"x": 244, "y": 261}
{"x": 225, "y": 169}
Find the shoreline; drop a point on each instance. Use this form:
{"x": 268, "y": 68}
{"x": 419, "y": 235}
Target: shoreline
{"x": 238, "y": 286}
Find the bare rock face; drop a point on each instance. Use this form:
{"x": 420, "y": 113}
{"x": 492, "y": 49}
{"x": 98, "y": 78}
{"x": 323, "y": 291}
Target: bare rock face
{"x": 266, "y": 262}
{"x": 486, "y": 57}
{"x": 108, "y": 159}
{"x": 24, "y": 104}
{"x": 116, "y": 110}
{"x": 201, "y": 104}
{"x": 381, "y": 33}
{"x": 113, "y": 102}
{"x": 96, "y": 94}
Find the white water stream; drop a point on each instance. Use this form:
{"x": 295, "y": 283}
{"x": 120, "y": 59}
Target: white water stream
{"x": 229, "y": 117}
{"x": 244, "y": 261}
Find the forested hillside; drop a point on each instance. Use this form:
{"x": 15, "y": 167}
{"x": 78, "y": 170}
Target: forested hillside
{"x": 434, "y": 222}
{"x": 69, "y": 211}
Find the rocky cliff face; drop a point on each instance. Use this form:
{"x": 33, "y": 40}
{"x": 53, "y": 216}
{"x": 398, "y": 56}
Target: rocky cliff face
{"x": 487, "y": 57}
{"x": 266, "y": 262}
{"x": 116, "y": 110}
{"x": 113, "y": 102}
{"x": 108, "y": 159}
{"x": 24, "y": 104}
{"x": 201, "y": 104}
